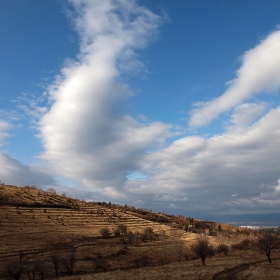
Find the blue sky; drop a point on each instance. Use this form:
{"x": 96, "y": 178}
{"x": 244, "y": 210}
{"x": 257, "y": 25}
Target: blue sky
{"x": 165, "y": 105}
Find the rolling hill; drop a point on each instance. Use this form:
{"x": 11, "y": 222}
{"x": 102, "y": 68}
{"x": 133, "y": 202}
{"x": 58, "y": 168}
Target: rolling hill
{"x": 108, "y": 241}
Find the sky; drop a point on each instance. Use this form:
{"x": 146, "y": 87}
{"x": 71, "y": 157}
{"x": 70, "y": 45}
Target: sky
{"x": 165, "y": 105}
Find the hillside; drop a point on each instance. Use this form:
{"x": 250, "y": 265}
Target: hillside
{"x": 37, "y": 226}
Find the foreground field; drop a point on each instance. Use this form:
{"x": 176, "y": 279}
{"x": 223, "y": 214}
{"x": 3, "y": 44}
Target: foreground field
{"x": 37, "y": 226}
{"x": 235, "y": 266}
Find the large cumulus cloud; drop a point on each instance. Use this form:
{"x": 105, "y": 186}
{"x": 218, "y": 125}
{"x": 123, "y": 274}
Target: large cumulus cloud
{"x": 88, "y": 133}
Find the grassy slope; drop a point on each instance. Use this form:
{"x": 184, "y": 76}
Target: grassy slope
{"x": 36, "y": 223}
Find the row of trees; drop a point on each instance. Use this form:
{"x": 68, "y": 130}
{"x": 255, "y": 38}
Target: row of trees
{"x": 58, "y": 263}
{"x": 147, "y": 234}
{"x": 266, "y": 244}
{"x": 63, "y": 263}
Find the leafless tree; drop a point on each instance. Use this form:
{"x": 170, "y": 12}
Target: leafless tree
{"x": 31, "y": 270}
{"x": 164, "y": 247}
{"x": 100, "y": 264}
{"x": 51, "y": 190}
{"x": 15, "y": 269}
{"x": 43, "y": 269}
{"x": 267, "y": 243}
{"x": 56, "y": 261}
{"x": 123, "y": 229}
{"x": 68, "y": 261}
{"x": 117, "y": 232}
{"x": 105, "y": 233}
{"x": 130, "y": 237}
{"x": 147, "y": 234}
{"x": 203, "y": 249}
{"x": 140, "y": 262}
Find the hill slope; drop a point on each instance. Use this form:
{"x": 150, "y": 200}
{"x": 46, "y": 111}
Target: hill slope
{"x": 37, "y": 225}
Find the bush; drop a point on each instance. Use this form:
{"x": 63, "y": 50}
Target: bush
{"x": 105, "y": 233}
{"x": 100, "y": 265}
{"x": 222, "y": 248}
{"x": 243, "y": 245}
{"x": 122, "y": 229}
{"x": 140, "y": 262}
{"x": 147, "y": 234}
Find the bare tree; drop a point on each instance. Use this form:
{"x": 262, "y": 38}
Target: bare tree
{"x": 105, "y": 233}
{"x": 203, "y": 249}
{"x": 123, "y": 229}
{"x": 140, "y": 262}
{"x": 56, "y": 261}
{"x": 100, "y": 264}
{"x": 51, "y": 190}
{"x": 15, "y": 269}
{"x": 68, "y": 262}
{"x": 31, "y": 270}
{"x": 130, "y": 237}
{"x": 267, "y": 243}
{"x": 43, "y": 269}
{"x": 147, "y": 234}
{"x": 164, "y": 245}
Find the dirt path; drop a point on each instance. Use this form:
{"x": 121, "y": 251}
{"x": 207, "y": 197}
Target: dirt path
{"x": 231, "y": 273}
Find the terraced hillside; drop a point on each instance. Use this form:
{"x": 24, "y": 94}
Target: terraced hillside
{"x": 37, "y": 227}
{"x": 35, "y": 223}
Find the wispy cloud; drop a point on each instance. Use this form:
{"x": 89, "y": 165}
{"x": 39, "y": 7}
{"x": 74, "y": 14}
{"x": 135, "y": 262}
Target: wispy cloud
{"x": 4, "y": 128}
{"x": 258, "y": 73}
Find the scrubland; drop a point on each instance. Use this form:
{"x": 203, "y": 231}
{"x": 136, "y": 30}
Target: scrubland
{"x": 98, "y": 240}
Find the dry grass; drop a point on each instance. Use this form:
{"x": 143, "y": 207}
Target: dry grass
{"x": 37, "y": 223}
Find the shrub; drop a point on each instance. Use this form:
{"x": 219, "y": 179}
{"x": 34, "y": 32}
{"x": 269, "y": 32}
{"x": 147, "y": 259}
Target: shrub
{"x": 140, "y": 262}
{"x": 222, "y": 248}
{"x": 243, "y": 245}
{"x": 147, "y": 234}
{"x": 105, "y": 233}
{"x": 100, "y": 264}
{"x": 122, "y": 229}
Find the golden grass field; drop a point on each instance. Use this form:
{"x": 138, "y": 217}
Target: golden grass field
{"x": 35, "y": 224}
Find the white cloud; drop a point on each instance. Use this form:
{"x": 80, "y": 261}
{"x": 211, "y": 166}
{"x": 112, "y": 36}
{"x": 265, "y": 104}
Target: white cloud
{"x": 245, "y": 114}
{"x": 14, "y": 173}
{"x": 87, "y": 133}
{"x": 273, "y": 193}
{"x": 4, "y": 127}
{"x": 172, "y": 197}
{"x": 89, "y": 137}
{"x": 216, "y": 174}
{"x": 259, "y": 73}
